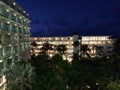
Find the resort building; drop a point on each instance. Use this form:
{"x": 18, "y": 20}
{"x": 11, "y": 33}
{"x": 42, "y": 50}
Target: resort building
{"x": 14, "y": 35}
{"x": 92, "y": 41}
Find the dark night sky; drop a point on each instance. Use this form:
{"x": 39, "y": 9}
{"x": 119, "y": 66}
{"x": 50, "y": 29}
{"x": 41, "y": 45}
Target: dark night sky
{"x": 63, "y": 17}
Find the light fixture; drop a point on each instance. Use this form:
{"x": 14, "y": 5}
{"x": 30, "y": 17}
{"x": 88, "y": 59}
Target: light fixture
{"x": 7, "y": 10}
{"x": 10, "y": 45}
{"x": 8, "y": 33}
{"x": 1, "y": 61}
{"x": 14, "y": 14}
{"x": 14, "y": 3}
{"x": 8, "y": 22}
{"x": 23, "y": 11}
{"x": 15, "y": 24}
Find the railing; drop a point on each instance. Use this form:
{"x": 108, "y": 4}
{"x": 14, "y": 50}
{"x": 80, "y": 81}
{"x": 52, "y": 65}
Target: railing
{"x": 15, "y": 8}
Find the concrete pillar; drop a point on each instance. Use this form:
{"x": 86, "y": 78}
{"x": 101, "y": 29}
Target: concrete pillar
{"x": 76, "y": 47}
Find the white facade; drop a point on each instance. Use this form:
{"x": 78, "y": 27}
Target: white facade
{"x": 14, "y": 35}
{"x": 91, "y": 41}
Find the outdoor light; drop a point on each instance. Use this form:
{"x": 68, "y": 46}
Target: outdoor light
{"x": 15, "y": 24}
{"x": 9, "y": 45}
{"x": 96, "y": 83}
{"x": 14, "y": 3}
{"x": 23, "y": 11}
{"x": 8, "y": 22}
{"x": 14, "y": 14}
{"x": 87, "y": 86}
{"x": 1, "y": 61}
{"x": 7, "y": 10}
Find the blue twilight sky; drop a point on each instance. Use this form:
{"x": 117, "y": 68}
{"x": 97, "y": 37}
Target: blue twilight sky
{"x": 63, "y": 17}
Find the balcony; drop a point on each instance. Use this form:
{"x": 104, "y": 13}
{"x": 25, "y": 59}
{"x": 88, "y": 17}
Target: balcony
{"x": 16, "y": 8}
{"x": 6, "y": 27}
{"x": 13, "y": 18}
{"x": 20, "y": 31}
{"x": 5, "y": 14}
{"x": 14, "y": 30}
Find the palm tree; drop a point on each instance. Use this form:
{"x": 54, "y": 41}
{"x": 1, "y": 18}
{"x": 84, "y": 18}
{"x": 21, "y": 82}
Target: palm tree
{"x": 46, "y": 47}
{"x": 100, "y": 51}
{"x": 84, "y": 49}
{"x": 61, "y": 49}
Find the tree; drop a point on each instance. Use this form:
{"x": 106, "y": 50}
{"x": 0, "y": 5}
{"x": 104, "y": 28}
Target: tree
{"x": 84, "y": 49}
{"x": 61, "y": 49}
{"x": 46, "y": 47}
{"x": 116, "y": 47}
{"x": 100, "y": 51}
{"x": 21, "y": 76}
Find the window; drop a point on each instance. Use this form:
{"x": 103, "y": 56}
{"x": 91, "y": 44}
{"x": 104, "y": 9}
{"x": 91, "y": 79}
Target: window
{"x": 14, "y": 28}
{"x": 5, "y": 13}
{"x": 8, "y": 38}
{"x": 13, "y": 17}
{"x": 6, "y": 26}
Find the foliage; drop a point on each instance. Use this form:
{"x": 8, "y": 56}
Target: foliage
{"x": 84, "y": 49}
{"x": 61, "y": 49}
{"x": 46, "y": 47}
{"x": 20, "y": 76}
{"x": 99, "y": 73}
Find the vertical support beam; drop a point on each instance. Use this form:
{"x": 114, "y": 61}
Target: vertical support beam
{"x": 76, "y": 43}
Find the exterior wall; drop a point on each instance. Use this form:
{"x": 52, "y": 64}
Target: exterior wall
{"x": 14, "y": 34}
{"x": 103, "y": 41}
{"x": 91, "y": 41}
{"x": 68, "y": 41}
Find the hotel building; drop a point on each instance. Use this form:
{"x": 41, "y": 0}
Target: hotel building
{"x": 91, "y": 41}
{"x": 14, "y": 35}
